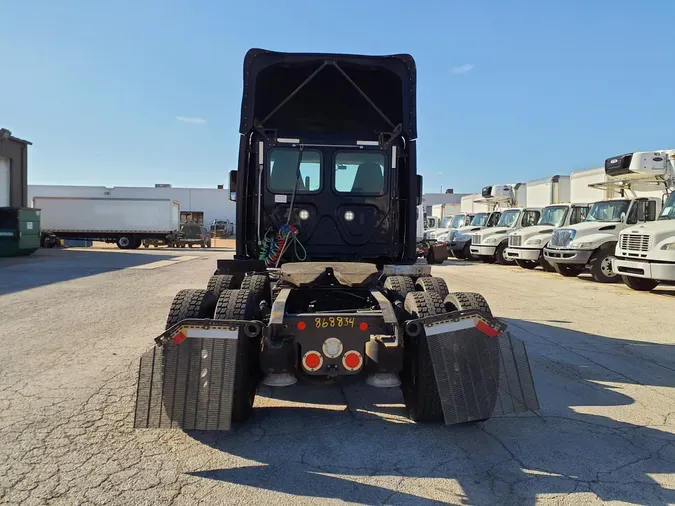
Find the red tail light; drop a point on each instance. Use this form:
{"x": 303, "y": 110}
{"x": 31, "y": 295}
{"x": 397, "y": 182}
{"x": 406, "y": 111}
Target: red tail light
{"x": 312, "y": 361}
{"x": 352, "y": 360}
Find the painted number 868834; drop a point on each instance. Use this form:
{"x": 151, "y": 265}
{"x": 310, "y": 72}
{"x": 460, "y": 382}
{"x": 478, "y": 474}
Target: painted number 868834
{"x": 333, "y": 321}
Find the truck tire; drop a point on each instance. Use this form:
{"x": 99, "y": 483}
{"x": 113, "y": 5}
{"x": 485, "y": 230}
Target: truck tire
{"x": 259, "y": 286}
{"x": 218, "y": 284}
{"x": 640, "y": 284}
{"x": 432, "y": 284}
{"x": 500, "y": 254}
{"x": 398, "y": 287}
{"x": 568, "y": 270}
{"x": 240, "y": 305}
{"x": 124, "y": 242}
{"x": 418, "y": 383}
{"x": 601, "y": 266}
{"x": 458, "y": 301}
{"x": 191, "y": 304}
{"x": 458, "y": 254}
{"x": 545, "y": 264}
{"x": 526, "y": 264}
{"x": 137, "y": 241}
{"x": 467, "y": 252}
{"x": 486, "y": 259}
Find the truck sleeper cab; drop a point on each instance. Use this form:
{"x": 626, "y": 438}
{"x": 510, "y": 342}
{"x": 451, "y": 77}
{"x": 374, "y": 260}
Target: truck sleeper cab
{"x": 490, "y": 244}
{"x": 645, "y": 253}
{"x": 526, "y": 245}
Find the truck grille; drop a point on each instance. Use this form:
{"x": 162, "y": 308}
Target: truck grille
{"x": 475, "y": 239}
{"x": 561, "y": 238}
{"x": 635, "y": 242}
{"x": 515, "y": 240}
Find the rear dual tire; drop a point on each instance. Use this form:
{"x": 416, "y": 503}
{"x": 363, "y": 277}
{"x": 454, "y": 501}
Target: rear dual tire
{"x": 418, "y": 381}
{"x": 230, "y": 305}
{"x": 241, "y": 305}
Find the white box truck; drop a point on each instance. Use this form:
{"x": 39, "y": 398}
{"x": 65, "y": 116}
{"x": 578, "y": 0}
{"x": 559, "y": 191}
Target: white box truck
{"x": 490, "y": 243}
{"x": 474, "y": 203}
{"x": 580, "y": 191}
{"x": 125, "y": 222}
{"x": 645, "y": 253}
{"x": 592, "y": 243}
{"x": 526, "y": 245}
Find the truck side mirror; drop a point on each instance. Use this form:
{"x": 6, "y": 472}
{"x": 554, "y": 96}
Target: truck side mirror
{"x": 419, "y": 190}
{"x": 623, "y": 217}
{"x": 233, "y": 185}
{"x": 650, "y": 214}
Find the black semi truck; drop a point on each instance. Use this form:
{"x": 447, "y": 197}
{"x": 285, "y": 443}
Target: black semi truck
{"x": 325, "y": 281}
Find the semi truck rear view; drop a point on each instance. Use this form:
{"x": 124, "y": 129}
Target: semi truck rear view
{"x": 324, "y": 283}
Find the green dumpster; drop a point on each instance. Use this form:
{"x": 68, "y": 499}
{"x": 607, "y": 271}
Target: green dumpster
{"x": 19, "y": 231}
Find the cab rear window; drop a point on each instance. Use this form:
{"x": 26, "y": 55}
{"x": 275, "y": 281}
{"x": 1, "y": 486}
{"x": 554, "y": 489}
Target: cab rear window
{"x": 284, "y": 171}
{"x": 359, "y": 172}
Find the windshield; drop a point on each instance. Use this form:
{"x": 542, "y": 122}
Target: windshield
{"x": 508, "y": 218}
{"x": 458, "y": 221}
{"x": 608, "y": 211}
{"x": 668, "y": 212}
{"x": 554, "y": 216}
{"x": 191, "y": 231}
{"x": 446, "y": 222}
{"x": 479, "y": 220}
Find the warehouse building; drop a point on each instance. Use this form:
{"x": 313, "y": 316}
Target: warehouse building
{"x": 13, "y": 170}
{"x": 197, "y": 205}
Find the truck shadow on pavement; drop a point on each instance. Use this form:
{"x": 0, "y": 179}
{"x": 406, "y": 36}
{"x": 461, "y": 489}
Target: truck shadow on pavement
{"x": 603, "y": 433}
{"x": 56, "y": 265}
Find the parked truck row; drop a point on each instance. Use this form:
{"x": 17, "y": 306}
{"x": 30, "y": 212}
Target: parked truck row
{"x": 616, "y": 222}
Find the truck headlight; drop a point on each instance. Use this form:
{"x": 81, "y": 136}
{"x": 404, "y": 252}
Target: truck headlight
{"x": 580, "y": 245}
{"x": 462, "y": 237}
{"x": 533, "y": 242}
{"x": 442, "y": 238}
{"x": 669, "y": 246}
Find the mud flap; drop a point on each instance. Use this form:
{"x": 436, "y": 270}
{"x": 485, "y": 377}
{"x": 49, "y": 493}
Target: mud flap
{"x": 481, "y": 370}
{"x": 187, "y": 380}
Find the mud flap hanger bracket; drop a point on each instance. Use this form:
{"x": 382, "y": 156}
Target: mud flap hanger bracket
{"x": 456, "y": 320}
{"x": 201, "y": 328}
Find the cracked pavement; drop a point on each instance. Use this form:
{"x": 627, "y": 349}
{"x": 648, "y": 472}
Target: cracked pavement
{"x": 76, "y": 323}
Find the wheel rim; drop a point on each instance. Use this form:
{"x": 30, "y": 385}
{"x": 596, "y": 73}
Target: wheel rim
{"x": 606, "y": 267}
{"x": 124, "y": 242}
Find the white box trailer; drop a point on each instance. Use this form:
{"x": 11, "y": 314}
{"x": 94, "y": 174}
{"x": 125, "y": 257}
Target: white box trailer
{"x": 444, "y": 210}
{"x": 123, "y": 221}
{"x": 581, "y": 192}
{"x": 547, "y": 191}
{"x": 466, "y": 203}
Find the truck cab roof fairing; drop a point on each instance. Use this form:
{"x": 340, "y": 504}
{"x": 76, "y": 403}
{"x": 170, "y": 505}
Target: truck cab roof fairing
{"x": 327, "y": 94}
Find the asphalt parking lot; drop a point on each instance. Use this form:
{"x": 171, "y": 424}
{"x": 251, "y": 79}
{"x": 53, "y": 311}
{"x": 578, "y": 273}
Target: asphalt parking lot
{"x": 75, "y": 322}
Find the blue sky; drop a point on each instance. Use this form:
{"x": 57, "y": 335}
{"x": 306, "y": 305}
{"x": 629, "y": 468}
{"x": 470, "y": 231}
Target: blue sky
{"x": 148, "y": 91}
